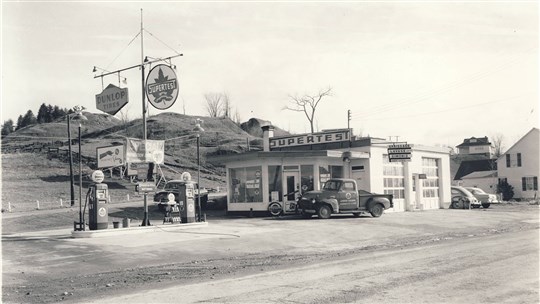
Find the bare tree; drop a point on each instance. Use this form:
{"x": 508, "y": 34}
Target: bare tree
{"x": 214, "y": 104}
{"x": 237, "y": 118}
{"x": 226, "y": 106}
{"x": 308, "y": 104}
{"x": 497, "y": 143}
{"x": 124, "y": 120}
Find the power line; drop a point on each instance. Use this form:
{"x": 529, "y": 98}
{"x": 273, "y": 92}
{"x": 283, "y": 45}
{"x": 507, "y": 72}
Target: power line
{"x": 425, "y": 96}
{"x": 451, "y": 109}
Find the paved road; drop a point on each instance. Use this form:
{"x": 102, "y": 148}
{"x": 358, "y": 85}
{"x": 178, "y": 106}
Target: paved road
{"x": 443, "y": 256}
{"x": 498, "y": 268}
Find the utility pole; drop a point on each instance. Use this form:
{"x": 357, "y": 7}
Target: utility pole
{"x": 349, "y": 126}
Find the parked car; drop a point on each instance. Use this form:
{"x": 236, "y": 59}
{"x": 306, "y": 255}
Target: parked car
{"x": 463, "y": 199}
{"x": 485, "y": 198}
{"x": 172, "y": 186}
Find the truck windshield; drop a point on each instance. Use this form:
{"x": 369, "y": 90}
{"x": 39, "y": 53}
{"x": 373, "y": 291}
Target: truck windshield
{"x": 332, "y": 185}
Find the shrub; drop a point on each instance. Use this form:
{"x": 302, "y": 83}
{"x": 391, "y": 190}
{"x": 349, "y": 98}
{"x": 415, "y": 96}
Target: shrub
{"x": 506, "y": 190}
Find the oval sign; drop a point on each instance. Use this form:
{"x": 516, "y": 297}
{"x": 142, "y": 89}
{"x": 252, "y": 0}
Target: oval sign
{"x": 98, "y": 176}
{"x": 162, "y": 87}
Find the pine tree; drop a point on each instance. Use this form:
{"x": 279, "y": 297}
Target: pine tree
{"x": 19, "y": 122}
{"x": 42, "y": 114}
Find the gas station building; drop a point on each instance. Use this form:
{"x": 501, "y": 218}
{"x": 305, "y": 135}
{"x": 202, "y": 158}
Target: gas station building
{"x": 291, "y": 165}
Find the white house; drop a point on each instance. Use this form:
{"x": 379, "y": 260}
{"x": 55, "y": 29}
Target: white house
{"x": 520, "y": 165}
{"x": 485, "y": 180}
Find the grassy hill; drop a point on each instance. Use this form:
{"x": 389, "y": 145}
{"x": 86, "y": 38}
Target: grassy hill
{"x": 47, "y": 145}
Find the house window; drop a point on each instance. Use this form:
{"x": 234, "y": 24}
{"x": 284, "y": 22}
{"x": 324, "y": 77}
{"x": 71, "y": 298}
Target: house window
{"x": 507, "y": 160}
{"x": 529, "y": 183}
{"x": 519, "y": 159}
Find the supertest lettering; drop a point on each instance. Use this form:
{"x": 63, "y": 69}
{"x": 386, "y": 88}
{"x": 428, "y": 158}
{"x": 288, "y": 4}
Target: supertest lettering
{"x": 309, "y": 139}
{"x": 162, "y": 87}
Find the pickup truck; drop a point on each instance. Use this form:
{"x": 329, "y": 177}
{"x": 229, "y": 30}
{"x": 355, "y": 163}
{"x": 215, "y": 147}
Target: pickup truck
{"x": 172, "y": 186}
{"x": 340, "y": 196}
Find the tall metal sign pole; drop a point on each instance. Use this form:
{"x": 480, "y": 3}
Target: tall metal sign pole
{"x": 146, "y": 221}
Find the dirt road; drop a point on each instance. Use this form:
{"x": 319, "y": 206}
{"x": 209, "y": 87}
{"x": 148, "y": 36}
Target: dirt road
{"x": 468, "y": 270}
{"x": 443, "y": 256}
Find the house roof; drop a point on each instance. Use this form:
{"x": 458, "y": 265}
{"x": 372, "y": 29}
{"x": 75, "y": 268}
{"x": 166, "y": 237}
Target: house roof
{"x": 469, "y": 166}
{"x": 532, "y": 130}
{"x": 474, "y": 141}
{"x": 480, "y": 174}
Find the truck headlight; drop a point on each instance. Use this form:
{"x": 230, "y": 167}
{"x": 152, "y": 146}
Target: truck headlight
{"x": 313, "y": 201}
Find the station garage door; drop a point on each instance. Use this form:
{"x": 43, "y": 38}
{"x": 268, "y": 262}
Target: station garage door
{"x": 394, "y": 183}
{"x": 430, "y": 185}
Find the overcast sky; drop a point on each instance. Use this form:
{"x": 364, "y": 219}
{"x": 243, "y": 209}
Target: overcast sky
{"x": 428, "y": 72}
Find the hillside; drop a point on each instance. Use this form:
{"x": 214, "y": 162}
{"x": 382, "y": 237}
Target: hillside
{"x": 221, "y": 136}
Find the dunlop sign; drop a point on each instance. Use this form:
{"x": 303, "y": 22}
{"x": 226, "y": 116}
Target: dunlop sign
{"x": 112, "y": 99}
{"x": 399, "y": 153}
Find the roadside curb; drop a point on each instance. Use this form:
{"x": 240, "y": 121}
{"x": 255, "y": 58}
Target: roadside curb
{"x": 134, "y": 230}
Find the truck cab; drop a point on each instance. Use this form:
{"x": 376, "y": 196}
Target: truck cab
{"x": 341, "y": 195}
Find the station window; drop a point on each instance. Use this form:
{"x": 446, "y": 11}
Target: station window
{"x": 307, "y": 177}
{"x": 246, "y": 184}
{"x": 327, "y": 172}
{"x": 274, "y": 183}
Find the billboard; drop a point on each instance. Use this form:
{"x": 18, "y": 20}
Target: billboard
{"x": 111, "y": 156}
{"x": 139, "y": 151}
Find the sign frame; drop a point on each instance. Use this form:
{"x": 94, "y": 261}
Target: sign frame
{"x": 116, "y": 152}
{"x": 112, "y": 99}
{"x": 162, "y": 89}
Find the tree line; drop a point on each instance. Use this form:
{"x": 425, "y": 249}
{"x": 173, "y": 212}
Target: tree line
{"x": 46, "y": 113}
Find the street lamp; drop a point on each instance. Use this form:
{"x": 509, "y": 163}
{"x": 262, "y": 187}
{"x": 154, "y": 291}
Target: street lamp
{"x": 75, "y": 116}
{"x": 198, "y": 129}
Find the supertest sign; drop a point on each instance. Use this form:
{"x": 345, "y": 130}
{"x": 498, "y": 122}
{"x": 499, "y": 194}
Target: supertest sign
{"x": 310, "y": 139}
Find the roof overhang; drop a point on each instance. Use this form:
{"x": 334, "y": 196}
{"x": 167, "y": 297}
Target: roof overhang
{"x": 290, "y": 154}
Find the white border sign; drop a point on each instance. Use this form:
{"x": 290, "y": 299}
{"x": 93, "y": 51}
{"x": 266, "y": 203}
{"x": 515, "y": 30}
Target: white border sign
{"x": 112, "y": 156}
{"x": 162, "y": 87}
{"x": 137, "y": 151}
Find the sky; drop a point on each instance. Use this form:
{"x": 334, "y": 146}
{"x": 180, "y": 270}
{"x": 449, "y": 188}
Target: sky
{"x": 430, "y": 73}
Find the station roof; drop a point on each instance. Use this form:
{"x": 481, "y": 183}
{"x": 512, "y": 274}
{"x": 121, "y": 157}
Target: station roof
{"x": 290, "y": 154}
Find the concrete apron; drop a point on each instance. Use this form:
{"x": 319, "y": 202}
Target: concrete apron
{"x": 134, "y": 230}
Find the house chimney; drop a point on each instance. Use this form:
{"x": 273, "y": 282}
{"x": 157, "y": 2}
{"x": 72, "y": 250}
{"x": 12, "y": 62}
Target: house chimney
{"x": 268, "y": 131}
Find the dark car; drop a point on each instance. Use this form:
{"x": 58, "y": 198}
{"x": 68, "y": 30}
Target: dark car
{"x": 172, "y": 186}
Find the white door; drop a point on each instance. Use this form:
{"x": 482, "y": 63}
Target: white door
{"x": 291, "y": 190}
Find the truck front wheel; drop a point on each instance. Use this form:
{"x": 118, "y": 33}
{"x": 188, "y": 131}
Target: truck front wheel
{"x": 324, "y": 212}
{"x": 376, "y": 210}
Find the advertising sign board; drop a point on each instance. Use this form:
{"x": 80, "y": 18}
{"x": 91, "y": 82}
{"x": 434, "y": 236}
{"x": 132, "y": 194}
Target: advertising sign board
{"x": 111, "y": 156}
{"x": 162, "y": 86}
{"x": 399, "y": 153}
{"x": 139, "y": 151}
{"x": 112, "y": 99}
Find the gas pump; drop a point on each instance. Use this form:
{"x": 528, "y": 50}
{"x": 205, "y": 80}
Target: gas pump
{"x": 186, "y": 202}
{"x": 98, "y": 195}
